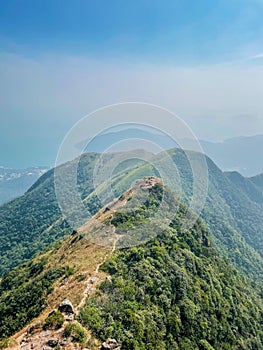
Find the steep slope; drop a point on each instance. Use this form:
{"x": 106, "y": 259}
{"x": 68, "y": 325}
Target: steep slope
{"x": 251, "y": 189}
{"x": 66, "y": 270}
{"x": 171, "y": 292}
{"x": 233, "y": 216}
{"x": 228, "y": 202}
{"x": 258, "y": 181}
{"x": 30, "y": 223}
{"x": 234, "y": 220}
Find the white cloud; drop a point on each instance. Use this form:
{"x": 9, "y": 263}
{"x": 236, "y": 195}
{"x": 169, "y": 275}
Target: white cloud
{"x": 259, "y": 55}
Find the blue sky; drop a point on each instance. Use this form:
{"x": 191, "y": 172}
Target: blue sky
{"x": 195, "y": 31}
{"x": 59, "y": 60}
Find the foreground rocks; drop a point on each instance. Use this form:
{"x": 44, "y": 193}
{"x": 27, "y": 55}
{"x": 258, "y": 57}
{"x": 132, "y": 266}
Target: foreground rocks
{"x": 110, "y": 344}
{"x": 52, "y": 342}
{"x": 38, "y": 338}
{"x": 66, "y": 307}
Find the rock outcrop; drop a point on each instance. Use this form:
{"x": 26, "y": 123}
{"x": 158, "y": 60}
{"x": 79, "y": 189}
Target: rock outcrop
{"x": 110, "y": 344}
{"x": 66, "y": 307}
{"x": 52, "y": 342}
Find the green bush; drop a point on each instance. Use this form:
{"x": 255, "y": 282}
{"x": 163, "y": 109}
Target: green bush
{"x": 76, "y": 331}
{"x": 54, "y": 321}
{"x": 69, "y": 271}
{"x": 4, "y": 343}
{"x": 80, "y": 277}
{"x": 204, "y": 345}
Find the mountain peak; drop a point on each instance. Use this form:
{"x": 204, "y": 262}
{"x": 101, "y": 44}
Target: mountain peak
{"x": 102, "y": 227}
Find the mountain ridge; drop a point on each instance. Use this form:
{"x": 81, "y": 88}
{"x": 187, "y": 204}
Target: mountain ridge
{"x": 176, "y": 282}
{"x": 40, "y": 221}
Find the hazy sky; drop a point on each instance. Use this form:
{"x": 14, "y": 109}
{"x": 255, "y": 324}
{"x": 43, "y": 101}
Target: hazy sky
{"x": 60, "y": 60}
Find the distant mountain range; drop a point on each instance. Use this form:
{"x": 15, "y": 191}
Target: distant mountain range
{"x": 15, "y": 182}
{"x": 242, "y": 154}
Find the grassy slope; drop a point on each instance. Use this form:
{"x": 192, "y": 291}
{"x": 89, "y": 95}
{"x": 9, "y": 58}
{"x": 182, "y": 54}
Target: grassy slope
{"x": 25, "y": 292}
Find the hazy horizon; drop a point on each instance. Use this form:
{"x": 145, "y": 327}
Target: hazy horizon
{"x": 60, "y": 62}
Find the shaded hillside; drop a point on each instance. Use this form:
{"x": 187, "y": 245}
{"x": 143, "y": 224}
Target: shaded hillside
{"x": 258, "y": 181}
{"x": 249, "y": 186}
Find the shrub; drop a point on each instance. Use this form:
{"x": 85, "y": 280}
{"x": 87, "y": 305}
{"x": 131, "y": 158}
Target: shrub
{"x": 69, "y": 270}
{"x": 81, "y": 277}
{"x": 4, "y": 343}
{"x": 54, "y": 321}
{"x": 76, "y": 331}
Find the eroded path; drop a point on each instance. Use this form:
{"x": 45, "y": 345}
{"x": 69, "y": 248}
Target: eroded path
{"x": 93, "y": 281}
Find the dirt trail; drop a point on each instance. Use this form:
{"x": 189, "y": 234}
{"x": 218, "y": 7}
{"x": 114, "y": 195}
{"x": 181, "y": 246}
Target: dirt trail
{"x": 93, "y": 280}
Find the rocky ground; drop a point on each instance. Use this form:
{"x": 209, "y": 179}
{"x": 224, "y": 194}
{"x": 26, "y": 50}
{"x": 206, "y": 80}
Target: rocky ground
{"x": 36, "y": 338}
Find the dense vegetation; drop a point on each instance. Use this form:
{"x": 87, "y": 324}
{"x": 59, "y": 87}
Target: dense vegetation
{"x": 54, "y": 321}
{"x": 233, "y": 212}
{"x": 174, "y": 292}
{"x": 258, "y": 181}
{"x": 23, "y": 293}
{"x": 30, "y": 223}
{"x": 76, "y": 332}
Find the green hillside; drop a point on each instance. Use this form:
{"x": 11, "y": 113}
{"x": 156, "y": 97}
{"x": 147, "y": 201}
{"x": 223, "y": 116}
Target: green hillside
{"x": 232, "y": 213}
{"x": 248, "y": 186}
{"x": 258, "y": 181}
{"x": 173, "y": 292}
{"x": 30, "y": 223}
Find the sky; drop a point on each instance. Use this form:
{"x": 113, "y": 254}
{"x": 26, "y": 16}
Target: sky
{"x": 61, "y": 60}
